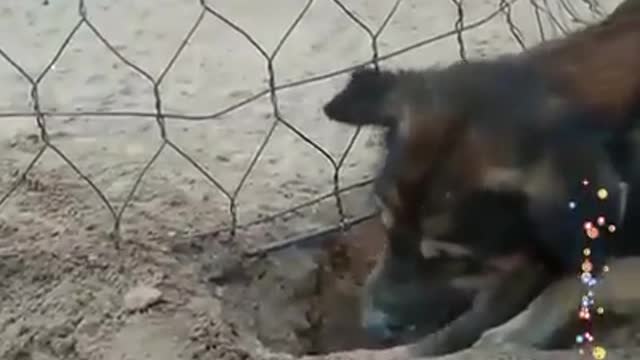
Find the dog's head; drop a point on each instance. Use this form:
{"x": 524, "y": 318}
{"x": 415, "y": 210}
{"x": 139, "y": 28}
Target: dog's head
{"x": 419, "y": 287}
{"x": 405, "y": 298}
{"x": 365, "y": 100}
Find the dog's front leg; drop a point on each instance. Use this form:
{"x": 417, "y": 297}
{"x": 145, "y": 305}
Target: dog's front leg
{"x": 557, "y": 306}
{"x": 492, "y": 307}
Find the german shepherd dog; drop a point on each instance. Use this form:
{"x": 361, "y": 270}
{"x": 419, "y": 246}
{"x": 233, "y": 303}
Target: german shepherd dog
{"x": 483, "y": 159}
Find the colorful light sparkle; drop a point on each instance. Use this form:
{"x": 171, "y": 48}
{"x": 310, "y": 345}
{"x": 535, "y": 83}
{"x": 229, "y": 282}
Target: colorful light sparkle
{"x": 593, "y": 231}
{"x": 599, "y": 353}
{"x": 603, "y": 194}
{"x": 587, "y": 266}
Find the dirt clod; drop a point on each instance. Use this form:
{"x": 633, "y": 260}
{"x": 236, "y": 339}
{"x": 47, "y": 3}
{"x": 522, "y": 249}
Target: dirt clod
{"x": 141, "y": 297}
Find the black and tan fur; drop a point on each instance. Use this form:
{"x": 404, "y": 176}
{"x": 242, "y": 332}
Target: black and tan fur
{"x": 524, "y": 128}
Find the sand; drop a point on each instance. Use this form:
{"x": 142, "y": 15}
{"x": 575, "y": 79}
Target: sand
{"x": 65, "y": 274}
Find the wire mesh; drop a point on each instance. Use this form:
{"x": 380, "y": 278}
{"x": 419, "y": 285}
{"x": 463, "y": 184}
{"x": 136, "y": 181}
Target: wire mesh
{"x": 542, "y": 10}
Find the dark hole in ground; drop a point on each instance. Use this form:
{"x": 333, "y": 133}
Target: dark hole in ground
{"x": 344, "y": 263}
{"x": 299, "y": 300}
{"x": 322, "y": 281}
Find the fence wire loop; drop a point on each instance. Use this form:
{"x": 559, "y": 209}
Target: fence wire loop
{"x": 541, "y": 9}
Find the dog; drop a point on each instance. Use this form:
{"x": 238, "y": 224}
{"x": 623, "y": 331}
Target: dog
{"x": 514, "y": 141}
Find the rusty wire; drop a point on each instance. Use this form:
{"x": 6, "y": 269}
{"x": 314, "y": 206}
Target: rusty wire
{"x": 274, "y": 87}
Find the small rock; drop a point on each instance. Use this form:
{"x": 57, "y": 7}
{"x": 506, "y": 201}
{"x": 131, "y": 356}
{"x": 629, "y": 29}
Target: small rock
{"x": 141, "y": 297}
{"x": 63, "y": 347}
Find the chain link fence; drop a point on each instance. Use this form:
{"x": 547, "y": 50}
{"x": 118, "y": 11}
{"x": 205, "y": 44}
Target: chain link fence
{"x": 557, "y": 15}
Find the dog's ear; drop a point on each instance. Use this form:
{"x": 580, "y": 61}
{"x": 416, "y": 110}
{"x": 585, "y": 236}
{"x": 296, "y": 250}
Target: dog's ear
{"x": 365, "y": 99}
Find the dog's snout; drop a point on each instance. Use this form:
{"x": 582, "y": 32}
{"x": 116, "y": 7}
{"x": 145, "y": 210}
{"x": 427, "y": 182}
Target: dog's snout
{"x": 329, "y": 109}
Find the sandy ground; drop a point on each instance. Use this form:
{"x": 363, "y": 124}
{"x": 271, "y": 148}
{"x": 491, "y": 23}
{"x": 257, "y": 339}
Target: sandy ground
{"x": 63, "y": 283}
